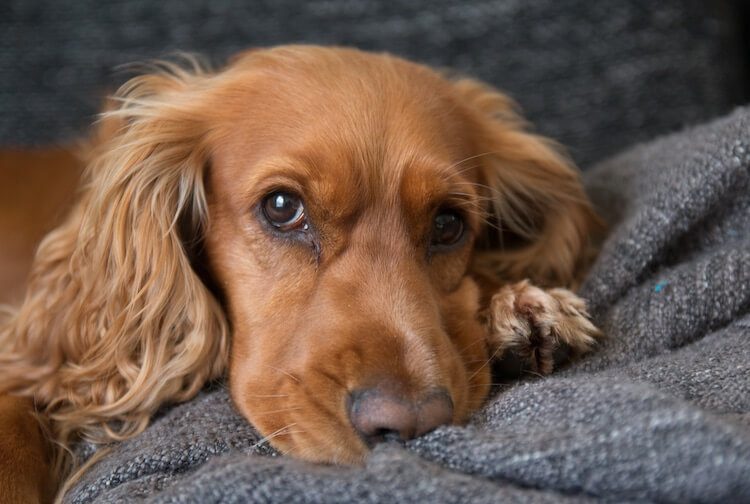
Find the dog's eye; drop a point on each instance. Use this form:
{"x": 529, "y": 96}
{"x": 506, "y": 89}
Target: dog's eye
{"x": 283, "y": 210}
{"x": 447, "y": 228}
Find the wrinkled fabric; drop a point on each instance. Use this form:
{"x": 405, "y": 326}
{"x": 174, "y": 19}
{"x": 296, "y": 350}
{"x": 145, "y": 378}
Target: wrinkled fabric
{"x": 660, "y": 412}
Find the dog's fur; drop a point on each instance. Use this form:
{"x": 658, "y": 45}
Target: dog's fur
{"x": 132, "y": 300}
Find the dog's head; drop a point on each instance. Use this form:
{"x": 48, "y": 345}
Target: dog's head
{"x": 342, "y": 205}
{"x": 347, "y": 193}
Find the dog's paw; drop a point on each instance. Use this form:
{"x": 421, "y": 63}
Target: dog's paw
{"x": 540, "y": 328}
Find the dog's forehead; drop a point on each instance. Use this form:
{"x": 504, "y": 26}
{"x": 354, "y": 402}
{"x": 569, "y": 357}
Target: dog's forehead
{"x": 369, "y": 131}
{"x": 378, "y": 101}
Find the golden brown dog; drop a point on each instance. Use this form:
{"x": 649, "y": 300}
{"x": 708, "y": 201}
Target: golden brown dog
{"x": 346, "y": 235}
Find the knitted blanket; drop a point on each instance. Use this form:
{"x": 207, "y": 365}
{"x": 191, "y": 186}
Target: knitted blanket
{"x": 660, "y": 412}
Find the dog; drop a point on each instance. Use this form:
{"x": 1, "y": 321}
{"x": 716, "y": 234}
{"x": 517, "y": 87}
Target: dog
{"x": 350, "y": 238}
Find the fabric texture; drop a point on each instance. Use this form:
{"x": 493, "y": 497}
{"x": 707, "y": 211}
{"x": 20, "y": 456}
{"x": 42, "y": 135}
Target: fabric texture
{"x": 596, "y": 76}
{"x": 660, "y": 412}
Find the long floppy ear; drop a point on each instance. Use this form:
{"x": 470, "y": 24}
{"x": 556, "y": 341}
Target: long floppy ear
{"x": 541, "y": 220}
{"x": 116, "y": 323}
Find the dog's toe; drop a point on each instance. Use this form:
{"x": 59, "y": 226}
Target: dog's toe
{"x": 542, "y": 329}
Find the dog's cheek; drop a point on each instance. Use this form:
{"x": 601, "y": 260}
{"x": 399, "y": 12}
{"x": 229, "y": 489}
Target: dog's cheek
{"x": 264, "y": 402}
{"x": 460, "y": 315}
{"x": 292, "y": 420}
{"x": 448, "y": 270}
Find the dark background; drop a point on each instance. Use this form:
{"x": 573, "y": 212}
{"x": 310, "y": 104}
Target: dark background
{"x": 597, "y": 76}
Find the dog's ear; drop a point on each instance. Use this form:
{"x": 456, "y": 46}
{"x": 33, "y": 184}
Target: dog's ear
{"x": 116, "y": 322}
{"x": 541, "y": 221}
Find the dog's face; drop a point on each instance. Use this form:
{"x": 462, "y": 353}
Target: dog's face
{"x": 344, "y": 209}
{"x": 346, "y": 194}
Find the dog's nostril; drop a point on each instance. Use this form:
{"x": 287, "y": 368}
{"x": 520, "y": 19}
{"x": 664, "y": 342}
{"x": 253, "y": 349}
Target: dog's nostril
{"x": 388, "y": 436}
{"x": 379, "y": 415}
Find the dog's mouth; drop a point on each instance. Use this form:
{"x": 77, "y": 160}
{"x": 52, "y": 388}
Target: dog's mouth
{"x": 328, "y": 389}
{"x": 317, "y": 417}
{"x": 312, "y": 430}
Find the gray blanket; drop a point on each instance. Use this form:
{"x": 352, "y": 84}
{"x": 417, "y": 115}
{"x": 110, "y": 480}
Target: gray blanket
{"x": 661, "y": 412}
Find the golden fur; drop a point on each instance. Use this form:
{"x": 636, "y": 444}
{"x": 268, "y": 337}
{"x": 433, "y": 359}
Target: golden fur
{"x": 132, "y": 301}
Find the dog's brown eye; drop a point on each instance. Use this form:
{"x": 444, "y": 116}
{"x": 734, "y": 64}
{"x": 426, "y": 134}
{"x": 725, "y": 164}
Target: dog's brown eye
{"x": 447, "y": 228}
{"x": 283, "y": 210}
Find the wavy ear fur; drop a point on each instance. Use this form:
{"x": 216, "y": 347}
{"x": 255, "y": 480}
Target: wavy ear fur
{"x": 541, "y": 220}
{"x": 115, "y": 322}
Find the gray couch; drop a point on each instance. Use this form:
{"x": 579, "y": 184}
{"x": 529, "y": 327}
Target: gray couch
{"x": 597, "y": 76}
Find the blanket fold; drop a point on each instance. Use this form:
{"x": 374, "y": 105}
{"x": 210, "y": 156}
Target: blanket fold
{"x": 660, "y": 412}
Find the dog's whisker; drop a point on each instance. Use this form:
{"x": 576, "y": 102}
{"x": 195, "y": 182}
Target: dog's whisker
{"x": 288, "y": 450}
{"x": 492, "y": 357}
{"x": 287, "y": 373}
{"x": 474, "y": 361}
{"x": 473, "y": 343}
{"x": 276, "y": 433}
{"x": 270, "y": 438}
{"x": 282, "y": 410}
{"x": 498, "y": 193}
{"x": 459, "y": 172}
{"x": 533, "y": 373}
{"x": 478, "y": 212}
{"x": 488, "y": 385}
{"x": 478, "y": 185}
{"x": 470, "y": 158}
{"x": 473, "y": 196}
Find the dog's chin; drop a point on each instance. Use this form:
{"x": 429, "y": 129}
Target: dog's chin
{"x": 341, "y": 450}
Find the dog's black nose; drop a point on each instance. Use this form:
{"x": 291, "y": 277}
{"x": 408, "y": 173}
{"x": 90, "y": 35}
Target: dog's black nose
{"x": 379, "y": 414}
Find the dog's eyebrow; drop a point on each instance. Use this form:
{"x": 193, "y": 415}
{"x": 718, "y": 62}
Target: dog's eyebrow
{"x": 327, "y": 194}
{"x": 462, "y": 194}
{"x": 431, "y": 183}
{"x": 276, "y": 173}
